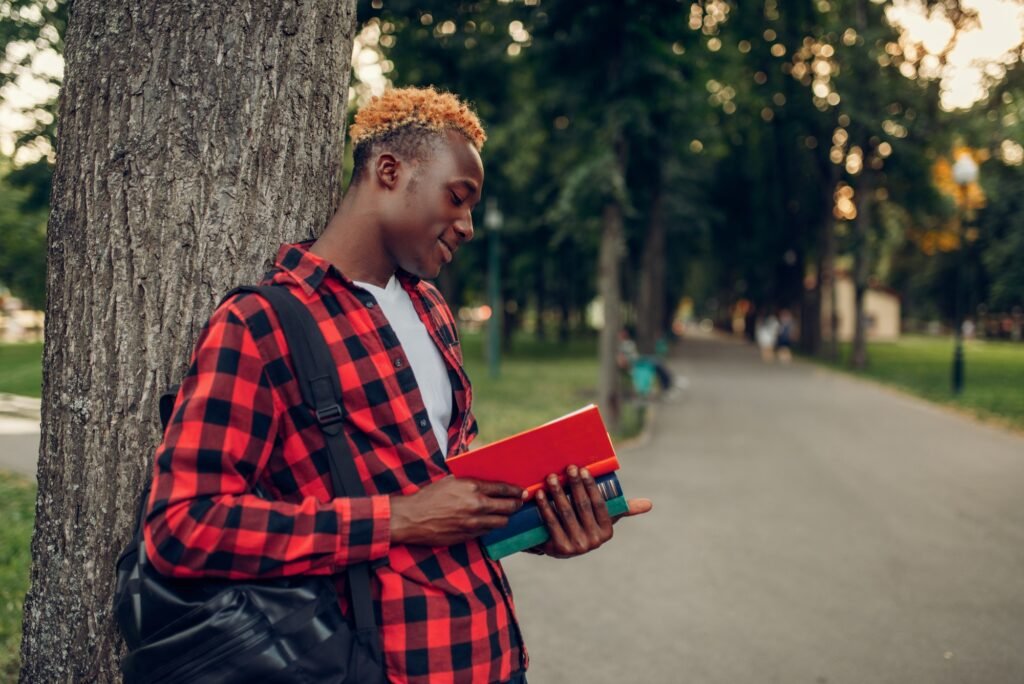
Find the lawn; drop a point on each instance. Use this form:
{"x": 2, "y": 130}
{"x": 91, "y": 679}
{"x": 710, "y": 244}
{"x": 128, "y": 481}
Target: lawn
{"x": 21, "y": 369}
{"x": 993, "y": 373}
{"x": 539, "y": 381}
{"x": 17, "y": 510}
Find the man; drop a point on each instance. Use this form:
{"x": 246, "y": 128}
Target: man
{"x": 445, "y": 609}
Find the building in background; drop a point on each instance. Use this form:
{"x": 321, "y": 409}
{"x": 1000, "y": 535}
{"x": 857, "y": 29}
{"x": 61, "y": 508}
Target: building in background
{"x": 881, "y": 307}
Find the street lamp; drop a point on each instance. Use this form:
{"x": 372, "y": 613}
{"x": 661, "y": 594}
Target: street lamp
{"x": 493, "y": 221}
{"x": 965, "y": 172}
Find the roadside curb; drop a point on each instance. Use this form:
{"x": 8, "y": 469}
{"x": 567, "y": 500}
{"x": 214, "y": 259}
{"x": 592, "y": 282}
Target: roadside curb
{"x": 20, "y": 407}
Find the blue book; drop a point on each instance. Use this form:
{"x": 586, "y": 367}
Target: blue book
{"x": 526, "y": 528}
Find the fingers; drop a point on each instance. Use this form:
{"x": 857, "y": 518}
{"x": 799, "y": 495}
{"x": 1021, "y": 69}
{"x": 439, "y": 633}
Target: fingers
{"x": 558, "y": 544}
{"x": 599, "y": 505}
{"x": 636, "y": 507}
{"x": 565, "y": 511}
{"x": 499, "y": 489}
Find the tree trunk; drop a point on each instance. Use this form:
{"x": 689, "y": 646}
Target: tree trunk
{"x": 609, "y": 271}
{"x": 650, "y": 305}
{"x": 194, "y": 138}
{"x": 861, "y": 270}
{"x": 541, "y": 298}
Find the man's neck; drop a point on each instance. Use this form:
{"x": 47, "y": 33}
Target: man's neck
{"x": 351, "y": 242}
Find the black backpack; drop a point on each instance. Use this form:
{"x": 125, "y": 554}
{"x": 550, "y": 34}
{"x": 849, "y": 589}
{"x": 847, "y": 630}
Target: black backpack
{"x": 279, "y": 630}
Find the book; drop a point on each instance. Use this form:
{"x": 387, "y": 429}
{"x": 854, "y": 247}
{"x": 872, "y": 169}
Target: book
{"x": 528, "y": 517}
{"x": 526, "y": 528}
{"x": 579, "y": 438}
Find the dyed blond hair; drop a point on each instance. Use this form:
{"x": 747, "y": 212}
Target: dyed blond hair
{"x": 423, "y": 108}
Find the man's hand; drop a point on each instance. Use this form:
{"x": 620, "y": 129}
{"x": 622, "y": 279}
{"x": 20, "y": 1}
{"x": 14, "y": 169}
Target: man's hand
{"x": 451, "y": 511}
{"x": 583, "y": 524}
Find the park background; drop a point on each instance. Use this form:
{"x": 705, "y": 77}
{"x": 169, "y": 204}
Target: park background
{"x": 674, "y": 167}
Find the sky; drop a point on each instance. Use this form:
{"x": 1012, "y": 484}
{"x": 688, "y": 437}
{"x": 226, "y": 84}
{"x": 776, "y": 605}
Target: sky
{"x": 1001, "y": 27}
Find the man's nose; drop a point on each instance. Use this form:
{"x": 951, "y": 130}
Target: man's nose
{"x": 464, "y": 227}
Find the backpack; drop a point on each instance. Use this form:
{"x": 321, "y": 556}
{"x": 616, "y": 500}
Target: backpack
{"x": 277, "y": 630}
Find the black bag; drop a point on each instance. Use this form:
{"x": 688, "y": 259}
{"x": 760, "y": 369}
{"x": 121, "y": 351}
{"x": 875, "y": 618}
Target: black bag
{"x": 280, "y": 630}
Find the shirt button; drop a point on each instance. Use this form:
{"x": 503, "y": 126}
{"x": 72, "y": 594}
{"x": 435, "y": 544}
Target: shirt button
{"x": 398, "y": 363}
{"x": 423, "y": 422}
{"x": 370, "y": 304}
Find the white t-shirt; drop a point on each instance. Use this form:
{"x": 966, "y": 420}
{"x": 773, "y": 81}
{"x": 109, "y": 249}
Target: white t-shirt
{"x": 424, "y": 357}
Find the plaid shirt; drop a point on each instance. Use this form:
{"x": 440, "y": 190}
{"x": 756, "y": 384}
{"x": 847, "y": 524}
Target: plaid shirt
{"x": 446, "y": 613}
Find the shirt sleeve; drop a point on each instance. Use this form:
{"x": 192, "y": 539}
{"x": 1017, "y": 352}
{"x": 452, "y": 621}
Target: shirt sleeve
{"x": 203, "y": 519}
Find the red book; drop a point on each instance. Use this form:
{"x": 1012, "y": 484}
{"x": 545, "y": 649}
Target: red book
{"x": 579, "y": 439}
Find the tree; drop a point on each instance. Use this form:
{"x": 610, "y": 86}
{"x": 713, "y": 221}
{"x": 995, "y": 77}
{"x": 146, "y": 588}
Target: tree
{"x": 193, "y": 139}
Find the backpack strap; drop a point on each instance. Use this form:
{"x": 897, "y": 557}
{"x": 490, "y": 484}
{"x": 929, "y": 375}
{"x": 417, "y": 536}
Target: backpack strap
{"x": 318, "y": 380}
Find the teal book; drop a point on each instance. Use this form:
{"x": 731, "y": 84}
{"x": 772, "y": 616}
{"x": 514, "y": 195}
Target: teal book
{"x": 526, "y": 528}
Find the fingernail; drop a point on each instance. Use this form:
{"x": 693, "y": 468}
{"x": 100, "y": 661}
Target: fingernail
{"x": 525, "y": 495}
{"x": 540, "y": 495}
{"x": 585, "y": 473}
{"x": 553, "y": 480}
{"x": 573, "y": 471}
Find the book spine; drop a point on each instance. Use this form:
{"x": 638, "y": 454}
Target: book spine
{"x": 597, "y": 469}
{"x": 538, "y": 535}
{"x": 529, "y": 517}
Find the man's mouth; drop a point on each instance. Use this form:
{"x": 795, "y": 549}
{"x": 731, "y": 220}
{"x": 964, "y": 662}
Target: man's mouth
{"x": 448, "y": 249}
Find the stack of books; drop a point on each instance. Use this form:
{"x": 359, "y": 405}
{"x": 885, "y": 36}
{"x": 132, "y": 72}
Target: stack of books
{"x": 527, "y": 459}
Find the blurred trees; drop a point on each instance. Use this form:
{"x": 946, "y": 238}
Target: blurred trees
{"x": 739, "y": 151}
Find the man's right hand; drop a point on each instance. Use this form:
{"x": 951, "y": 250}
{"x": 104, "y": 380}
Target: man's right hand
{"x": 452, "y": 510}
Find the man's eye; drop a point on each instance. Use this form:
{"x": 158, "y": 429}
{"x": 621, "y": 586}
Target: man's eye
{"x": 457, "y": 200}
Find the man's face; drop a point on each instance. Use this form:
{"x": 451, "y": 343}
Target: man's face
{"x": 432, "y": 212}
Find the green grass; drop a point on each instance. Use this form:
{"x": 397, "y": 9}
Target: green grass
{"x": 17, "y": 510}
{"x": 538, "y": 382}
{"x": 21, "y": 369}
{"x": 993, "y": 373}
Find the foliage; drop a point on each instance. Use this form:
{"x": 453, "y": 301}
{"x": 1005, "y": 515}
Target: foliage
{"x": 21, "y": 369}
{"x": 17, "y": 510}
{"x": 22, "y": 243}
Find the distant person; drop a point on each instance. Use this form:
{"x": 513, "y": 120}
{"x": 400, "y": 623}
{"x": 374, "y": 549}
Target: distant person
{"x": 767, "y": 336}
{"x": 629, "y": 355}
{"x": 784, "y": 339}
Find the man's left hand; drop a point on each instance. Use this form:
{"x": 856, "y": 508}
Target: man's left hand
{"x": 583, "y": 523}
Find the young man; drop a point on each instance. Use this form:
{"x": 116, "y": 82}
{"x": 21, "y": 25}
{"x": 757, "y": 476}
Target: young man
{"x": 445, "y": 609}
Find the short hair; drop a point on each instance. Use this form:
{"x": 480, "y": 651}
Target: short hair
{"x": 408, "y": 120}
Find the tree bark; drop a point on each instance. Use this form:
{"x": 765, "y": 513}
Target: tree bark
{"x": 650, "y": 306}
{"x": 609, "y": 272}
{"x": 861, "y": 270}
{"x": 194, "y": 138}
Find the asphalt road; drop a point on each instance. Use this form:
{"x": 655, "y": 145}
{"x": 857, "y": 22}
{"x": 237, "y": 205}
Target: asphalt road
{"x": 807, "y": 527}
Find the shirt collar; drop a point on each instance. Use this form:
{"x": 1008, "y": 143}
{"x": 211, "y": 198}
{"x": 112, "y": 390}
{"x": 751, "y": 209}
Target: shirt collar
{"x": 309, "y": 270}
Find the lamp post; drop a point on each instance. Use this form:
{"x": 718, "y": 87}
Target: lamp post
{"x": 965, "y": 172}
{"x": 493, "y": 221}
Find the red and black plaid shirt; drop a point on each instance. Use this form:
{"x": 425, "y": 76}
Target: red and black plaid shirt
{"x": 446, "y": 613}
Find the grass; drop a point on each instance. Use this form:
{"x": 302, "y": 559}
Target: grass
{"x": 538, "y": 381}
{"x": 17, "y": 510}
{"x": 21, "y": 369}
{"x": 993, "y": 373}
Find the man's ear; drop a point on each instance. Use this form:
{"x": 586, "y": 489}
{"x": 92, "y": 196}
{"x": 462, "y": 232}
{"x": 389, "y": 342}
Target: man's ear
{"x": 387, "y": 170}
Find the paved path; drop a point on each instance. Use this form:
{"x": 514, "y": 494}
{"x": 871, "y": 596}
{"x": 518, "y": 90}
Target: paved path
{"x": 19, "y": 445}
{"x": 807, "y": 527}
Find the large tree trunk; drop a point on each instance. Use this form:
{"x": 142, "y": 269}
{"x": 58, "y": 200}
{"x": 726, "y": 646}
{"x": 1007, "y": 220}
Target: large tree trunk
{"x": 609, "y": 273}
{"x": 194, "y": 138}
{"x": 650, "y": 305}
{"x": 861, "y": 270}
